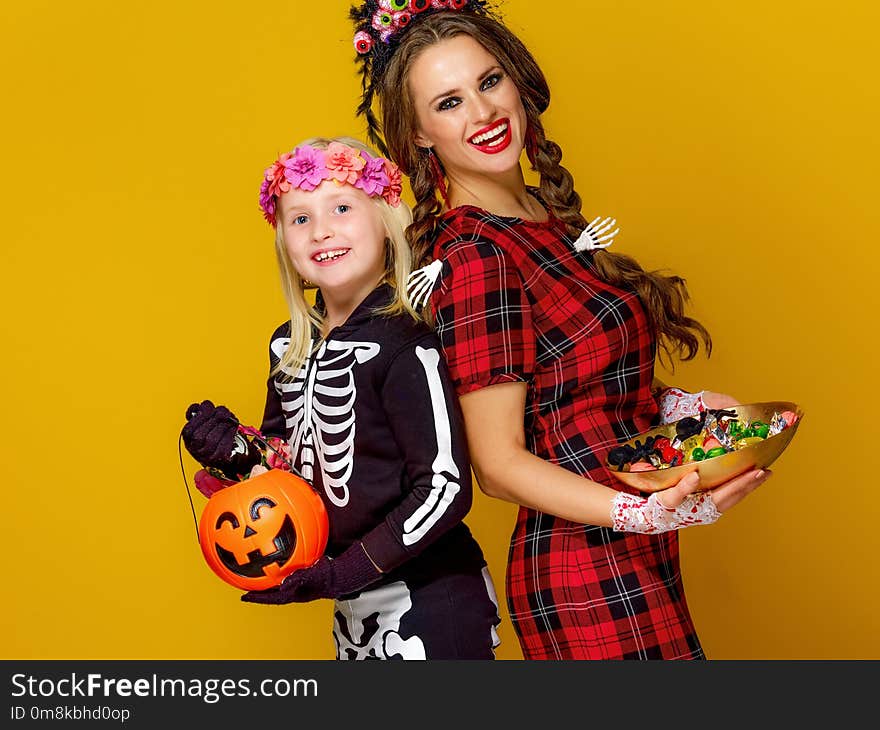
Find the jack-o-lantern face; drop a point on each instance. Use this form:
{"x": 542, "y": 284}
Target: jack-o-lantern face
{"x": 257, "y": 532}
{"x": 278, "y": 552}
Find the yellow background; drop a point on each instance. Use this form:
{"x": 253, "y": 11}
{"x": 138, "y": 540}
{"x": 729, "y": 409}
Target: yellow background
{"x": 736, "y": 143}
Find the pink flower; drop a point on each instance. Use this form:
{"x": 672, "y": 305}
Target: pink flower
{"x": 392, "y": 193}
{"x": 279, "y": 458}
{"x": 305, "y": 168}
{"x": 373, "y": 178}
{"x": 208, "y": 484}
{"x": 267, "y": 202}
{"x": 249, "y": 430}
{"x": 343, "y": 163}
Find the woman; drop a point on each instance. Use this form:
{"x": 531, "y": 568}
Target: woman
{"x": 551, "y": 349}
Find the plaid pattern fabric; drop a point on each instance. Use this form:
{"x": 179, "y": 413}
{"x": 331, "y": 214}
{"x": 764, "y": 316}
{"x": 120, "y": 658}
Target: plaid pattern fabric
{"x": 517, "y": 303}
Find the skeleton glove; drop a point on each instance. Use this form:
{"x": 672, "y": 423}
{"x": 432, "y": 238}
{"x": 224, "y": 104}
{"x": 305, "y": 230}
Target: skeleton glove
{"x": 327, "y": 578}
{"x": 650, "y": 516}
{"x": 211, "y": 437}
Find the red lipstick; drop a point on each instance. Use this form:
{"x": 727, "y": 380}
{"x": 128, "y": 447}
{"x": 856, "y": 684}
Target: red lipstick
{"x": 493, "y": 138}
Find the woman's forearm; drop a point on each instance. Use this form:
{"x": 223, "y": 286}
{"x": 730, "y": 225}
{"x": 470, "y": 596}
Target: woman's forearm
{"x": 518, "y": 476}
{"x": 507, "y": 470}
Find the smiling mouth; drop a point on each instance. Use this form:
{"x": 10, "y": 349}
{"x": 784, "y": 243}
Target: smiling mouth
{"x": 285, "y": 542}
{"x": 493, "y": 138}
{"x": 325, "y": 257}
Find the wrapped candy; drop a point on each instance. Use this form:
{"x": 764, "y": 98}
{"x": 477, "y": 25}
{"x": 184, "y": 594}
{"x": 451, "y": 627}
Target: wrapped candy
{"x": 712, "y": 433}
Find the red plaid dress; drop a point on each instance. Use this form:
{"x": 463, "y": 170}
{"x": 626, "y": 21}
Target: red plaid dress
{"x": 516, "y": 302}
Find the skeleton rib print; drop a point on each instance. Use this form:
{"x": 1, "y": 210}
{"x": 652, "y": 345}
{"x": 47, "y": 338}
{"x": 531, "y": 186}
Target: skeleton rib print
{"x": 319, "y": 413}
{"x": 318, "y": 408}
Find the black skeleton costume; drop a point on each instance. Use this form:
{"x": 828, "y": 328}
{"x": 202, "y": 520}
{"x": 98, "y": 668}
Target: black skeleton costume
{"x": 373, "y": 423}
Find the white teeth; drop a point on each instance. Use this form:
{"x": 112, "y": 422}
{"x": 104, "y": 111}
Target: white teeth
{"x": 496, "y": 132}
{"x": 326, "y": 255}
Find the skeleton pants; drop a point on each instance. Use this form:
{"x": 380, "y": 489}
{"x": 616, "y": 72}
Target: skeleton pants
{"x": 451, "y": 617}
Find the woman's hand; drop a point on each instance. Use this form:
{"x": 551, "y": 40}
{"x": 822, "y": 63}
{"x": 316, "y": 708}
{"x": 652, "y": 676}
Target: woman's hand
{"x": 718, "y": 401}
{"x": 737, "y": 489}
{"x": 675, "y": 403}
{"x": 724, "y": 496}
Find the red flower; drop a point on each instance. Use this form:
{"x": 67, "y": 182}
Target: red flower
{"x": 392, "y": 192}
{"x": 208, "y": 484}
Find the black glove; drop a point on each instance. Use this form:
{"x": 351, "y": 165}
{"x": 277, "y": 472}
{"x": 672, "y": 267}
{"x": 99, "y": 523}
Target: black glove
{"x": 211, "y": 437}
{"x": 327, "y": 578}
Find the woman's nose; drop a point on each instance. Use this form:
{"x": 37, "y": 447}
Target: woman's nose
{"x": 482, "y": 109}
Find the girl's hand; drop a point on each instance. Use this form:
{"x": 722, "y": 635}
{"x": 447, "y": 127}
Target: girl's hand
{"x": 212, "y": 437}
{"x": 326, "y": 578}
{"x": 209, "y": 434}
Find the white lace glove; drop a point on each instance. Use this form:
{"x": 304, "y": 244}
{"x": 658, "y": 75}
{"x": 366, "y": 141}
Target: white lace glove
{"x": 650, "y": 516}
{"x": 676, "y": 404}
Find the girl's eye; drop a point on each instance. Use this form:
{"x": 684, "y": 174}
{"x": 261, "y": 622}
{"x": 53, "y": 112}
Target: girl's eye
{"x": 448, "y": 103}
{"x": 490, "y": 81}
{"x": 300, "y": 220}
{"x": 343, "y": 208}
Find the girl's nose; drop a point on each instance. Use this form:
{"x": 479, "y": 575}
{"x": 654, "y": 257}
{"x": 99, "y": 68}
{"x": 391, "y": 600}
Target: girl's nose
{"x": 322, "y": 230}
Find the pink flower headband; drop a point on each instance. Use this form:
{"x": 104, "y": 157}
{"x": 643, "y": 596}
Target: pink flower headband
{"x": 307, "y": 167}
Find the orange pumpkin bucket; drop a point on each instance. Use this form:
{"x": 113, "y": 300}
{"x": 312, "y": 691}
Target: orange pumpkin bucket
{"x": 258, "y": 531}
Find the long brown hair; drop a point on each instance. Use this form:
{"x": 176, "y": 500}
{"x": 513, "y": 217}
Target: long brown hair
{"x": 664, "y": 297}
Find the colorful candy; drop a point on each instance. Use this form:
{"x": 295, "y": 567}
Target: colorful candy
{"x": 714, "y": 432}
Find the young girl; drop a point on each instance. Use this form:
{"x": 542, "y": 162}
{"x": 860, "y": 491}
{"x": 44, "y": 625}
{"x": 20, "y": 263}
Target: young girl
{"x": 359, "y": 390}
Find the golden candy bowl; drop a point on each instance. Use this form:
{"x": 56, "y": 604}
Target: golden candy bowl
{"x": 718, "y": 469}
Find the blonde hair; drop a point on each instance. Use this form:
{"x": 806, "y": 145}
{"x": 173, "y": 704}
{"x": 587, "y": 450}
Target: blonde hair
{"x": 398, "y": 265}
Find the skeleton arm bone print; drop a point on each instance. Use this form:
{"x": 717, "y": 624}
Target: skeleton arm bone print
{"x": 443, "y": 489}
{"x": 423, "y": 412}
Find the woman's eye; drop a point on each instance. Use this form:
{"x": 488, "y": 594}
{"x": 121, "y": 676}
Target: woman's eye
{"x": 300, "y": 219}
{"x": 448, "y": 103}
{"x": 490, "y": 81}
{"x": 343, "y": 208}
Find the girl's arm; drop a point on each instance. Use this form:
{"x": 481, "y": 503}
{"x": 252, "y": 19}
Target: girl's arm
{"x": 507, "y": 470}
{"x": 273, "y": 415}
{"x": 427, "y": 427}
{"x": 273, "y": 425}
{"x": 425, "y": 418}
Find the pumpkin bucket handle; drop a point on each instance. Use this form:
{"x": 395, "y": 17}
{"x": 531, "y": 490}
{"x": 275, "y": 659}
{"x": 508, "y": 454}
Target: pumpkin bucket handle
{"x": 186, "y": 485}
